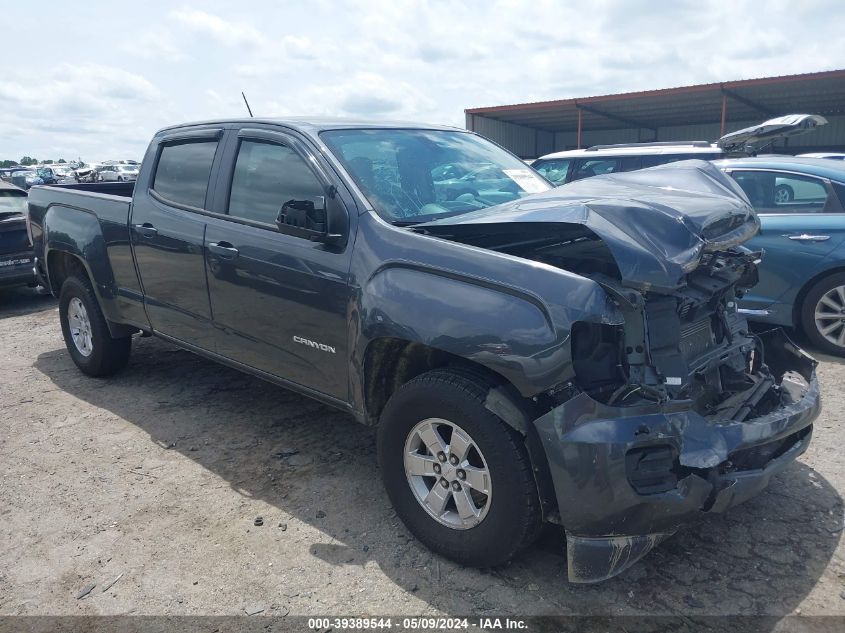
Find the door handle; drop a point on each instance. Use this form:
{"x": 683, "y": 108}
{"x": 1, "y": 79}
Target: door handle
{"x": 224, "y": 250}
{"x": 146, "y": 229}
{"x": 804, "y": 237}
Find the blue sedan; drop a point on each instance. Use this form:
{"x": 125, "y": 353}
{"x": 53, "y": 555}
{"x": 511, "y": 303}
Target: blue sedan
{"x": 801, "y": 204}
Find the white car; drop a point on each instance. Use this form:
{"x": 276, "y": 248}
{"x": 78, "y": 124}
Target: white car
{"x": 118, "y": 173}
{"x": 567, "y": 166}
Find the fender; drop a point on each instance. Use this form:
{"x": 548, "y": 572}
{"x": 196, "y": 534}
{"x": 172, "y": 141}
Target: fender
{"x": 509, "y": 331}
{"x": 78, "y": 232}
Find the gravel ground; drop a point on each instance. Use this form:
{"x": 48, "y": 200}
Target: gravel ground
{"x": 156, "y": 477}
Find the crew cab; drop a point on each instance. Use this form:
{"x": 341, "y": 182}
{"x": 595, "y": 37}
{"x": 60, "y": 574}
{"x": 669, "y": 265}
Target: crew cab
{"x": 533, "y": 354}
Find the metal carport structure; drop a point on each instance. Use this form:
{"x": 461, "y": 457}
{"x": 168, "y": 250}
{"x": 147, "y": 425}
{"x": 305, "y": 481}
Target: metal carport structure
{"x": 699, "y": 112}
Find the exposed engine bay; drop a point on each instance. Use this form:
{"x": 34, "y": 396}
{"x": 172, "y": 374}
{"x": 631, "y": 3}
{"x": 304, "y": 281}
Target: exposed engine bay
{"x": 689, "y": 345}
{"x": 665, "y": 244}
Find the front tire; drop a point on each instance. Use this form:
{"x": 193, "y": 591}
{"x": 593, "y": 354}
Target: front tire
{"x": 458, "y": 476}
{"x": 823, "y": 314}
{"x": 86, "y": 332}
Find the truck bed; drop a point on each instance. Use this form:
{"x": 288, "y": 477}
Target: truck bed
{"x": 122, "y": 189}
{"x": 109, "y": 202}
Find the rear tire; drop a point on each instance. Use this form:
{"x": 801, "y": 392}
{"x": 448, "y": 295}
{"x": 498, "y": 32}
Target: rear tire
{"x": 86, "y": 332}
{"x": 823, "y": 314}
{"x": 507, "y": 519}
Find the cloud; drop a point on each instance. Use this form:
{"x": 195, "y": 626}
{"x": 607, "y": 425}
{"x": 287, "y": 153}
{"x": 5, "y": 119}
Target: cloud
{"x": 369, "y": 105}
{"x": 227, "y": 32}
{"x": 121, "y": 77}
{"x": 159, "y": 44}
{"x": 76, "y": 106}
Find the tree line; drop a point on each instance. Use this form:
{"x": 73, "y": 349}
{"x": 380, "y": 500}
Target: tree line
{"x": 27, "y": 161}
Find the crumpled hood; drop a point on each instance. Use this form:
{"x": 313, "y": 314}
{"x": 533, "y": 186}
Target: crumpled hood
{"x": 656, "y": 222}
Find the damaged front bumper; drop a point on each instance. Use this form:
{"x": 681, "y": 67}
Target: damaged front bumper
{"x": 625, "y": 478}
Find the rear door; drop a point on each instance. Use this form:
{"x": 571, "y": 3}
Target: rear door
{"x": 168, "y": 228}
{"x": 279, "y": 302}
{"x": 802, "y": 223}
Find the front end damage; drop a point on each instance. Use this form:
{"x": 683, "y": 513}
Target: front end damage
{"x": 678, "y": 409}
{"x": 629, "y": 474}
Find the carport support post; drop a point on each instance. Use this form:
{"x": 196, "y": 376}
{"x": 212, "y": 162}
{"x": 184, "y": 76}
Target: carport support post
{"x": 578, "y": 137}
{"x": 724, "y": 113}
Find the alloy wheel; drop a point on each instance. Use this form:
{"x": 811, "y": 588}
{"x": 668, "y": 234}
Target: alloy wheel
{"x": 80, "y": 326}
{"x": 781, "y": 195}
{"x": 447, "y": 473}
{"x": 830, "y": 316}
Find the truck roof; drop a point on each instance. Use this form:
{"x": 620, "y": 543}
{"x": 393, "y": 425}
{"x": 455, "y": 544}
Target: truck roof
{"x": 315, "y": 125}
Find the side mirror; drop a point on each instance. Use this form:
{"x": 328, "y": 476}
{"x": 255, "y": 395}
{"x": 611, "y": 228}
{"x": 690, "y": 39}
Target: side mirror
{"x": 318, "y": 219}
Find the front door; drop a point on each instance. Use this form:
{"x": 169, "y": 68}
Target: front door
{"x": 279, "y": 302}
{"x": 168, "y": 230}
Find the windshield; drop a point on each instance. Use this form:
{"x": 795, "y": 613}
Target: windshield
{"x": 555, "y": 169}
{"x": 12, "y": 201}
{"x": 127, "y": 168}
{"x": 412, "y": 176}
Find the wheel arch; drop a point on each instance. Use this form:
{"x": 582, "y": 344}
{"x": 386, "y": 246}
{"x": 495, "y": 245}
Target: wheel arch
{"x": 61, "y": 264}
{"x": 391, "y": 362}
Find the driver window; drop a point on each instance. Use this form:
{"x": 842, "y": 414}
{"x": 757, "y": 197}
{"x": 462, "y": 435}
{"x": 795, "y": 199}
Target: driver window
{"x": 266, "y": 176}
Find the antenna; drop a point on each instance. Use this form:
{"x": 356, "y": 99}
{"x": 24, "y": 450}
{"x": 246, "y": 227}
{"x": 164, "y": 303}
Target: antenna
{"x": 248, "y": 109}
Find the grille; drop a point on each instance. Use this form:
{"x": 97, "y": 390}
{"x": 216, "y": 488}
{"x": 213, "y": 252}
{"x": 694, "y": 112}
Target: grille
{"x": 696, "y": 338}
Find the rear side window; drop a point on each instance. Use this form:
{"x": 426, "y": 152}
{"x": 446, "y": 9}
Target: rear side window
{"x": 183, "y": 172}
{"x": 785, "y": 192}
{"x": 268, "y": 175}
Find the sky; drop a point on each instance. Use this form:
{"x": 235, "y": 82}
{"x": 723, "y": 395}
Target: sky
{"x": 96, "y": 79}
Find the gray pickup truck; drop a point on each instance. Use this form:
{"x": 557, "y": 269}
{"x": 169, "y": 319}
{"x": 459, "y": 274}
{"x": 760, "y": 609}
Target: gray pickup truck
{"x": 528, "y": 354}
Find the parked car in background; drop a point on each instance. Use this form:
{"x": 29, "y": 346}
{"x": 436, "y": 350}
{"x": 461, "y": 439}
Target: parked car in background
{"x": 568, "y": 166}
{"x": 118, "y": 173}
{"x": 86, "y": 174}
{"x": 16, "y": 258}
{"x": 56, "y": 174}
{"x": 26, "y": 178}
{"x": 478, "y": 181}
{"x": 563, "y": 167}
{"x": 47, "y": 175}
{"x": 801, "y": 205}
{"x": 830, "y": 155}
{"x": 6, "y": 172}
